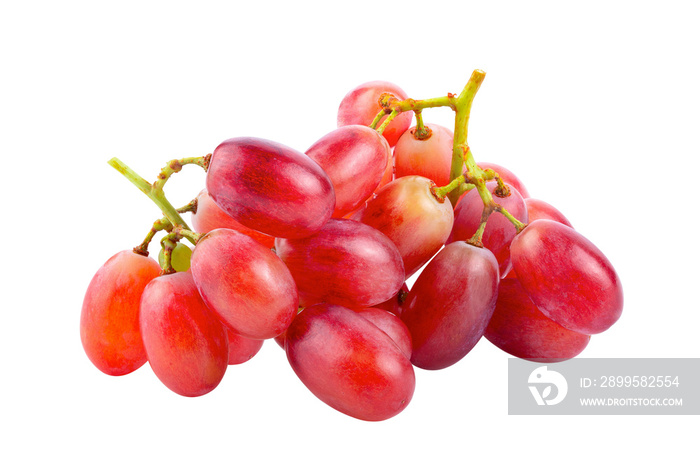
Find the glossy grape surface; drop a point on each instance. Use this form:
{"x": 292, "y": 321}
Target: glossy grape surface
{"x": 407, "y": 212}
{"x": 450, "y": 304}
{"x": 538, "y": 209}
{"x": 520, "y": 329}
{"x": 499, "y": 230}
{"x": 109, "y": 320}
{"x": 391, "y": 325}
{"x": 430, "y": 158}
{"x": 209, "y": 217}
{"x": 244, "y": 283}
{"x": 349, "y": 363}
{"x": 346, "y": 263}
{"x": 187, "y": 346}
{"x": 355, "y": 158}
{"x": 361, "y": 105}
{"x": 567, "y": 277}
{"x": 270, "y": 187}
{"x": 395, "y": 304}
{"x": 241, "y": 349}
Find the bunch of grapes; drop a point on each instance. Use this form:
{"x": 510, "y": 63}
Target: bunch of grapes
{"x": 314, "y": 249}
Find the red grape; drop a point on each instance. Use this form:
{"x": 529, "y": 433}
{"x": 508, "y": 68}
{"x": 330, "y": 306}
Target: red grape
{"x": 431, "y": 157}
{"x": 187, "y": 346}
{"x": 414, "y": 219}
{"x": 349, "y": 363}
{"x": 355, "y": 158}
{"x": 567, "y": 277}
{"x": 391, "y": 325}
{"x": 244, "y": 283}
{"x": 209, "y": 217}
{"x": 394, "y": 304}
{"x": 450, "y": 304}
{"x": 270, "y": 187}
{"x": 361, "y": 105}
{"x": 346, "y": 263}
{"x": 519, "y": 328}
{"x": 539, "y": 209}
{"x": 499, "y": 230}
{"x": 109, "y": 320}
{"x": 241, "y": 349}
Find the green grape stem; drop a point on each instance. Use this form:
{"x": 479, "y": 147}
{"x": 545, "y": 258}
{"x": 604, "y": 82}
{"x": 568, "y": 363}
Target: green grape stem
{"x": 462, "y": 157}
{"x": 421, "y": 132}
{"x": 158, "y": 225}
{"x": 156, "y": 194}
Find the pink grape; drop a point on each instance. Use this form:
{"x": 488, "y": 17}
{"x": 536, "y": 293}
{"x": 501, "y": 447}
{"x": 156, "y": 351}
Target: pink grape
{"x": 355, "y": 158}
{"x": 349, "y": 363}
{"x": 499, "y": 230}
{"x": 244, "y": 283}
{"x": 567, "y": 277}
{"x": 520, "y": 329}
{"x": 407, "y": 212}
{"x": 346, "y": 263}
{"x": 270, "y": 187}
{"x": 187, "y": 346}
{"x": 209, "y": 217}
{"x": 450, "y": 304}
{"x": 109, "y": 320}
{"x": 361, "y": 105}
{"x": 431, "y": 157}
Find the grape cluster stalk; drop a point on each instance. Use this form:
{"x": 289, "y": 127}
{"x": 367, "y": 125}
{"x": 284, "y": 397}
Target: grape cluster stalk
{"x": 313, "y": 250}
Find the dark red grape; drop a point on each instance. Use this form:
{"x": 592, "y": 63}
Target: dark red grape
{"x": 519, "y": 328}
{"x": 567, "y": 277}
{"x": 349, "y": 363}
{"x": 244, "y": 283}
{"x": 270, "y": 187}
{"x": 187, "y": 346}
{"x": 450, "y": 304}
{"x": 499, "y": 230}
{"x": 346, "y": 263}
{"x": 109, "y": 320}
{"x": 355, "y": 158}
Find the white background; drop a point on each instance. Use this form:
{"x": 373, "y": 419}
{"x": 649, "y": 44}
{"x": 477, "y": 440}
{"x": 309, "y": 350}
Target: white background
{"x": 592, "y": 104}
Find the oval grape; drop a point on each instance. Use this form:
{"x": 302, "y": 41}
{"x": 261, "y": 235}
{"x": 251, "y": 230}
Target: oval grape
{"x": 567, "y": 277}
{"x": 244, "y": 283}
{"x": 109, "y": 319}
{"x": 355, "y": 158}
{"x": 270, "y": 187}
{"x": 349, "y": 363}
{"x": 450, "y": 304}
{"x": 187, "y": 346}
{"x": 346, "y": 263}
